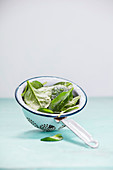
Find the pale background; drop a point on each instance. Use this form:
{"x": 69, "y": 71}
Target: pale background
{"x": 67, "y": 38}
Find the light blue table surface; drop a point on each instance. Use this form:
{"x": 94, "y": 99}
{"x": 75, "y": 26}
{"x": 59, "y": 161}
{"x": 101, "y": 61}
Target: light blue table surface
{"x": 20, "y": 145}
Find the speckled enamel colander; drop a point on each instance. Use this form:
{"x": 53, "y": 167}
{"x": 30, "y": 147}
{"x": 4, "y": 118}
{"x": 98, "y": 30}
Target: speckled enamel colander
{"x": 48, "y": 121}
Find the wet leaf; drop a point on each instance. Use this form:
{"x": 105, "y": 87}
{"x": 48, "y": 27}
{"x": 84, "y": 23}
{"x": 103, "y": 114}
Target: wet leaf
{"x": 36, "y": 84}
{"x": 60, "y": 101}
{"x": 57, "y": 89}
{"x": 73, "y": 102}
{"x": 67, "y": 84}
{"x": 37, "y": 98}
{"x": 70, "y": 109}
{"x": 45, "y": 110}
{"x": 25, "y": 90}
{"x": 57, "y": 137}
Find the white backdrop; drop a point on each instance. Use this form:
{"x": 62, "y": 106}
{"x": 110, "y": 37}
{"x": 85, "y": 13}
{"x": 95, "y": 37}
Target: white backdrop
{"x": 67, "y": 38}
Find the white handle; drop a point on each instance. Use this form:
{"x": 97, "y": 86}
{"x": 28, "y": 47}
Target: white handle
{"x": 80, "y": 132}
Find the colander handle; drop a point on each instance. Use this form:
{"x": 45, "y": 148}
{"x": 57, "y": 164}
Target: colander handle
{"x": 80, "y": 132}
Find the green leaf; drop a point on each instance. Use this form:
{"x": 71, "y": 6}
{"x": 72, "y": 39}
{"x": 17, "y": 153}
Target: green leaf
{"x": 57, "y": 137}
{"x": 24, "y": 91}
{"x": 44, "y": 96}
{"x": 73, "y": 102}
{"x": 45, "y": 110}
{"x": 60, "y": 101}
{"x": 37, "y": 98}
{"x": 70, "y": 109}
{"x": 36, "y": 84}
{"x": 67, "y": 84}
{"x": 30, "y": 97}
{"x": 65, "y": 110}
{"x": 57, "y": 89}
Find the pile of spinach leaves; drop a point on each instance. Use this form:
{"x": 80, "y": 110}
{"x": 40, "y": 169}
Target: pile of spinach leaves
{"x": 57, "y": 98}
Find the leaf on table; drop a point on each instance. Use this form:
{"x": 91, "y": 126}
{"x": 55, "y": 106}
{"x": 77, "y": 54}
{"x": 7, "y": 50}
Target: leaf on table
{"x": 57, "y": 137}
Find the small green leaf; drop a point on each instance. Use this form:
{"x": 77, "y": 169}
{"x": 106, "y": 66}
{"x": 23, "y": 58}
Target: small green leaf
{"x": 36, "y": 84}
{"x": 57, "y": 137}
{"x": 70, "y": 109}
{"x": 45, "y": 110}
{"x": 25, "y": 90}
{"x": 73, "y": 102}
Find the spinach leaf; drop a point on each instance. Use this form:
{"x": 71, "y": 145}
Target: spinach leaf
{"x": 73, "y": 102}
{"x": 67, "y": 84}
{"x": 71, "y": 105}
{"x": 65, "y": 110}
{"x": 44, "y": 96}
{"x": 57, "y": 137}
{"x": 45, "y": 110}
{"x": 25, "y": 90}
{"x": 57, "y": 89}
{"x": 37, "y": 98}
{"x": 60, "y": 101}
{"x": 36, "y": 84}
{"x": 30, "y": 97}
